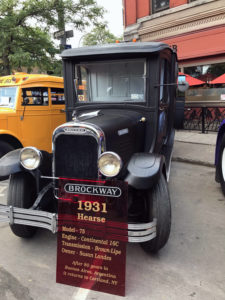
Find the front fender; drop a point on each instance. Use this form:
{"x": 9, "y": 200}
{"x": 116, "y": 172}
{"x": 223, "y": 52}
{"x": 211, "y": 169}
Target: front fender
{"x": 144, "y": 170}
{"x": 218, "y": 141}
{"x": 10, "y": 163}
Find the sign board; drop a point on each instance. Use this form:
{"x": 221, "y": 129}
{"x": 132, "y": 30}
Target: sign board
{"x": 69, "y": 34}
{"x": 62, "y": 33}
{"x": 59, "y": 34}
{"x": 92, "y": 234}
{"x": 67, "y": 46}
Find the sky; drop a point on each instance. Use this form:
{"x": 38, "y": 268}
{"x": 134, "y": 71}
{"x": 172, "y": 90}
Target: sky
{"x": 114, "y": 16}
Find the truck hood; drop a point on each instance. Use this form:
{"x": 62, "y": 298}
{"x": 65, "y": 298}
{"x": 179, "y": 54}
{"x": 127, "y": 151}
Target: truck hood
{"x": 124, "y": 129}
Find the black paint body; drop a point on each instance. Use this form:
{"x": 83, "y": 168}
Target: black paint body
{"x": 141, "y": 133}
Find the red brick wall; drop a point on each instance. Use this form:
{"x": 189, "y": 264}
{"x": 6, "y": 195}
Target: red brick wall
{"x": 143, "y": 8}
{"x": 174, "y": 3}
{"x": 135, "y": 9}
{"x": 130, "y": 12}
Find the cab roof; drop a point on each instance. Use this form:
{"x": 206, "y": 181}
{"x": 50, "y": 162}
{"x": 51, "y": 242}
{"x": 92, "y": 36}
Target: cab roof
{"x": 24, "y": 78}
{"x": 117, "y": 48}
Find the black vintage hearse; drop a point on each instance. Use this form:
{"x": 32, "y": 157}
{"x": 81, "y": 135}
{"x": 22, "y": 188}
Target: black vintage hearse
{"x": 120, "y": 104}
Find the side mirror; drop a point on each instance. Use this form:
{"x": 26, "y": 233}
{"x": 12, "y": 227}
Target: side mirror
{"x": 183, "y": 86}
{"x": 25, "y": 101}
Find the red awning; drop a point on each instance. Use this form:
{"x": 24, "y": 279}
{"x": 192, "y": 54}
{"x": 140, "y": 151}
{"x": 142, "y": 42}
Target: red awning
{"x": 218, "y": 80}
{"x": 191, "y": 80}
{"x": 200, "y": 44}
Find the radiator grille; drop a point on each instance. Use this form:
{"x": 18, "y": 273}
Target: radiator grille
{"x": 76, "y": 157}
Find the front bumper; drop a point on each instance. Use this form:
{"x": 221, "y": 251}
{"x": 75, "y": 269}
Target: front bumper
{"x": 137, "y": 232}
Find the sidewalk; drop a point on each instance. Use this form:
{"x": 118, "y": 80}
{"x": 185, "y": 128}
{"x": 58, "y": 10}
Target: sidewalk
{"x": 195, "y": 147}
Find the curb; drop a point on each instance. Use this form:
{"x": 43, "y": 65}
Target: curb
{"x": 193, "y": 162}
{"x": 196, "y": 143}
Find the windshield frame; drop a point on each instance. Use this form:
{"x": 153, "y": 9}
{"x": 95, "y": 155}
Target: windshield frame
{"x": 108, "y": 62}
{"x": 16, "y": 96}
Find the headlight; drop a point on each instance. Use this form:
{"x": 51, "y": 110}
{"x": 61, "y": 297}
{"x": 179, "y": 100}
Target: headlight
{"x": 30, "y": 158}
{"x": 109, "y": 164}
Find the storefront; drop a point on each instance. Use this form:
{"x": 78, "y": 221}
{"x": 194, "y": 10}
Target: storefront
{"x": 197, "y": 28}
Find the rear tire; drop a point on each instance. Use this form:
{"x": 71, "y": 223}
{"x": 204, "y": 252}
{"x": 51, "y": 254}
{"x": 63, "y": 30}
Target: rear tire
{"x": 22, "y": 194}
{"x": 4, "y": 149}
{"x": 159, "y": 207}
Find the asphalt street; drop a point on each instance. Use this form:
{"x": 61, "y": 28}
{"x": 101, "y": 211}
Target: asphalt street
{"x": 191, "y": 266}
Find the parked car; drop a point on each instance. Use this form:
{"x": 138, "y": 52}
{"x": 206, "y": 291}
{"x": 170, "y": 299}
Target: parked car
{"x": 220, "y": 156}
{"x": 120, "y": 106}
{"x": 31, "y": 107}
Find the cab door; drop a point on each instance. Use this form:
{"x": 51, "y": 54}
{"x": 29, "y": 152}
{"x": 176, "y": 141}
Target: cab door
{"x": 164, "y": 101}
{"x": 57, "y": 104}
{"x": 35, "y": 118}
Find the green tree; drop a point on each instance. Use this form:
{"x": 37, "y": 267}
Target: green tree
{"x": 25, "y": 25}
{"x": 99, "y": 35}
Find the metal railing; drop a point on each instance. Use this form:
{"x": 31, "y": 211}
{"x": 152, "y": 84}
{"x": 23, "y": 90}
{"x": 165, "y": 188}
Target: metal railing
{"x": 203, "y": 116}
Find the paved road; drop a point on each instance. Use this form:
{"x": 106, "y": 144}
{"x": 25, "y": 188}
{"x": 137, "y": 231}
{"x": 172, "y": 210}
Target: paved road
{"x": 191, "y": 266}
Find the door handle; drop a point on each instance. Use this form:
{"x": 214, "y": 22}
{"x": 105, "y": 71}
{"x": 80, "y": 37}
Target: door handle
{"x": 163, "y": 106}
{"x": 62, "y": 110}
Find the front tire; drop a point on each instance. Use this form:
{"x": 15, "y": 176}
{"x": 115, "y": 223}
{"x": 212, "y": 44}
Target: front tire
{"x": 159, "y": 207}
{"x": 22, "y": 194}
{"x": 221, "y": 165}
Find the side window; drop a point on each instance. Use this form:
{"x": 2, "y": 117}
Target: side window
{"x": 57, "y": 96}
{"x": 35, "y": 96}
{"x": 164, "y": 81}
{"x": 81, "y": 83}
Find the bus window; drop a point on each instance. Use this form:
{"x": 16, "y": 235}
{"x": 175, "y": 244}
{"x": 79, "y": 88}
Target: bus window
{"x": 35, "y": 96}
{"x": 57, "y": 96}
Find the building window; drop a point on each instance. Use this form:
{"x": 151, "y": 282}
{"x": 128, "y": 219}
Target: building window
{"x": 159, "y": 5}
{"x": 206, "y": 82}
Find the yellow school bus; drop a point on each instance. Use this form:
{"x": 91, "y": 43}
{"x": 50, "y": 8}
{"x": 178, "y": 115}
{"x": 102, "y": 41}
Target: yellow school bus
{"x": 31, "y": 107}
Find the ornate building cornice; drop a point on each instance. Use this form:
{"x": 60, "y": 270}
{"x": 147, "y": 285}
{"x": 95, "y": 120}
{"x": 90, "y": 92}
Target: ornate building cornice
{"x": 184, "y": 19}
{"x": 173, "y": 30}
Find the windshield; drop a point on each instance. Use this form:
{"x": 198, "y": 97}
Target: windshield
{"x": 8, "y": 96}
{"x": 111, "y": 81}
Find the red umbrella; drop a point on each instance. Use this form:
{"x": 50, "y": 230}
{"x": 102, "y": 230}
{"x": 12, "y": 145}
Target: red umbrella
{"x": 191, "y": 80}
{"x": 218, "y": 80}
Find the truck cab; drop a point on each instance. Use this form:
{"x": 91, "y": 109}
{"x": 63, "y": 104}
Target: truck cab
{"x": 120, "y": 107}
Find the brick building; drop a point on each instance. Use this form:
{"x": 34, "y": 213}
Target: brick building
{"x": 197, "y": 27}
